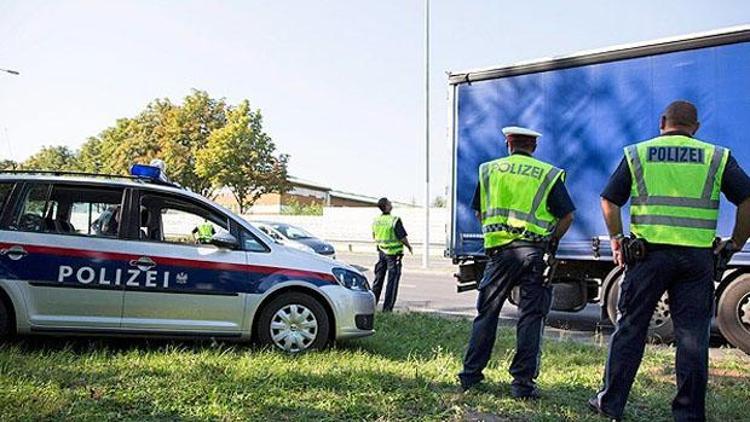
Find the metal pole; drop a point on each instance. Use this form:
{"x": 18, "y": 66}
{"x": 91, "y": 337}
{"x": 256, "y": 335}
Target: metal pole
{"x": 426, "y": 247}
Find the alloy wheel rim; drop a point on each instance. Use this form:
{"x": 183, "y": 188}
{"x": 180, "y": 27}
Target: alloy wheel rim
{"x": 661, "y": 314}
{"x": 294, "y": 328}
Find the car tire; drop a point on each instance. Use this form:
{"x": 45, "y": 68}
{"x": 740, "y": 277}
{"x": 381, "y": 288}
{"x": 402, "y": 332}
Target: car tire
{"x": 733, "y": 313}
{"x": 294, "y": 322}
{"x": 661, "y": 328}
{"x": 5, "y": 321}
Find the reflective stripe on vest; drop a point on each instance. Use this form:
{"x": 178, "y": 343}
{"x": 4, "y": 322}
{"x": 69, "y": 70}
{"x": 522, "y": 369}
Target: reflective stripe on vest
{"x": 527, "y": 218}
{"x": 384, "y": 230}
{"x": 681, "y": 218}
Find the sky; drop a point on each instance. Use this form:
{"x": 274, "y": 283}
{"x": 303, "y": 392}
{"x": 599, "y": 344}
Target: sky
{"x": 341, "y": 83}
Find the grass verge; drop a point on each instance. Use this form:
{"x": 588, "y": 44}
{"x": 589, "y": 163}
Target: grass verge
{"x": 405, "y": 372}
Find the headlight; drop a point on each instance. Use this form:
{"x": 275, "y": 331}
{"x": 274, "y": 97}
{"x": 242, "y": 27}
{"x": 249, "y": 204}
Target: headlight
{"x": 351, "y": 280}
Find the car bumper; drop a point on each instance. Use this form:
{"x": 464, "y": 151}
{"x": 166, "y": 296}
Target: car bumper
{"x": 353, "y": 310}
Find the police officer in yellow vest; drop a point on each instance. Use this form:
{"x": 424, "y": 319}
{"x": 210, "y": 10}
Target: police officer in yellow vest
{"x": 204, "y": 232}
{"x": 673, "y": 182}
{"x": 390, "y": 237}
{"x": 524, "y": 208}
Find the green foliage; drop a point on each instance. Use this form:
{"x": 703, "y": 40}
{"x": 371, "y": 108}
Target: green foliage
{"x": 407, "y": 371}
{"x": 8, "y": 165}
{"x": 241, "y": 157}
{"x": 438, "y": 202}
{"x": 177, "y": 133}
{"x": 52, "y": 158}
{"x": 294, "y": 207}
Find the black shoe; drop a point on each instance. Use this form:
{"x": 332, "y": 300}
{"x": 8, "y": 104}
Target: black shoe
{"x": 526, "y": 395}
{"x": 465, "y": 387}
{"x": 594, "y": 406}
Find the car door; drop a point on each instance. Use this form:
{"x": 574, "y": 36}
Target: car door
{"x": 183, "y": 287}
{"x": 68, "y": 269}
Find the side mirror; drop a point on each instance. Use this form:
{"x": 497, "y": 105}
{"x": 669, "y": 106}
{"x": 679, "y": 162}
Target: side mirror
{"x": 224, "y": 239}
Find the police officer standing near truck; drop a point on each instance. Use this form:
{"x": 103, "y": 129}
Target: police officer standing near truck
{"x": 390, "y": 237}
{"x": 673, "y": 182}
{"x": 524, "y": 209}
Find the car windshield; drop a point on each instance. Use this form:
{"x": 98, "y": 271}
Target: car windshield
{"x": 292, "y": 232}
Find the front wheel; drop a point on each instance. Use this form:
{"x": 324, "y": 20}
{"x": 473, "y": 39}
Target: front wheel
{"x": 733, "y": 313}
{"x": 294, "y": 322}
{"x": 660, "y": 328}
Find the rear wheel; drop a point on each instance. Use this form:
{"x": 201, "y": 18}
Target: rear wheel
{"x": 294, "y": 322}
{"x": 733, "y": 313}
{"x": 4, "y": 321}
{"x": 660, "y": 328}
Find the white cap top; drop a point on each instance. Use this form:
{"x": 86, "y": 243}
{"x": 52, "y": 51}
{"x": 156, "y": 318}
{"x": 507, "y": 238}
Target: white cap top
{"x": 516, "y": 130}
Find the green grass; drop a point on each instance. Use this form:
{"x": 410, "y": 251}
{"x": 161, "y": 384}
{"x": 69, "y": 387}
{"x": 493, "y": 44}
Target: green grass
{"x": 407, "y": 371}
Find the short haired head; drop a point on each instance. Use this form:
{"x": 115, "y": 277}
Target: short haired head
{"x": 384, "y": 204}
{"x": 521, "y": 143}
{"x": 680, "y": 115}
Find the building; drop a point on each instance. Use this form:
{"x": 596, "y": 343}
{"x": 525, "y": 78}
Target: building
{"x": 303, "y": 193}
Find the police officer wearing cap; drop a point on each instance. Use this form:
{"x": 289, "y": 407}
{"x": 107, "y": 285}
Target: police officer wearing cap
{"x": 673, "y": 182}
{"x": 391, "y": 238}
{"x": 524, "y": 208}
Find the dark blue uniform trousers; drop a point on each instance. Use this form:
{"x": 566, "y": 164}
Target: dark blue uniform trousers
{"x": 392, "y": 265}
{"x": 687, "y": 275}
{"x": 509, "y": 267}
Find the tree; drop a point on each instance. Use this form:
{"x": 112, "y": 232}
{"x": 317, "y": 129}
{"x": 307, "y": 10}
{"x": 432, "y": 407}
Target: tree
{"x": 8, "y": 165}
{"x": 186, "y": 131}
{"x": 438, "y": 202}
{"x": 58, "y": 158}
{"x": 241, "y": 157}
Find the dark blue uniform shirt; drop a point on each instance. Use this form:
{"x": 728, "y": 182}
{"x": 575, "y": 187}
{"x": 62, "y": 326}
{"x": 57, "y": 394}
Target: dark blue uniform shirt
{"x": 735, "y": 184}
{"x": 558, "y": 202}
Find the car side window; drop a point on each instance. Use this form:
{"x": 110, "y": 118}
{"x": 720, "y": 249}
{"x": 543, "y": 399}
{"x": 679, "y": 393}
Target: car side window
{"x": 70, "y": 209}
{"x": 251, "y": 243}
{"x": 5, "y": 189}
{"x": 169, "y": 219}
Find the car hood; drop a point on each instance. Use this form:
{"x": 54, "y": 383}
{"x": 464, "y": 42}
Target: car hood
{"x": 312, "y": 262}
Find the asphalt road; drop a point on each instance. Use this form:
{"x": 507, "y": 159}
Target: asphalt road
{"x": 434, "y": 290}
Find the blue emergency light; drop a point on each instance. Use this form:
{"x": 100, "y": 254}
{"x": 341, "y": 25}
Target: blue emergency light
{"x": 145, "y": 172}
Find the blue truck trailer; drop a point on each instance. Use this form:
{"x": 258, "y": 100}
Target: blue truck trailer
{"x": 589, "y": 106}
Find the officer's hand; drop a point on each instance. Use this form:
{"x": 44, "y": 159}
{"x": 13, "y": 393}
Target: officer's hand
{"x": 616, "y": 244}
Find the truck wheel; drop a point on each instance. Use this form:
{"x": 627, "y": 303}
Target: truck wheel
{"x": 733, "y": 313}
{"x": 660, "y": 328}
{"x": 294, "y": 322}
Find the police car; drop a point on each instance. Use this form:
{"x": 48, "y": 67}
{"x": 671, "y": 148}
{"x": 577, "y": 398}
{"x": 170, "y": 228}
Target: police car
{"x": 108, "y": 255}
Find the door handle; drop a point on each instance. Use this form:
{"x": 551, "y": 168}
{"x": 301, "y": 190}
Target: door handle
{"x": 143, "y": 263}
{"x": 14, "y": 252}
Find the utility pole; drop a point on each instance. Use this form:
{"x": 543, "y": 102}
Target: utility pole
{"x": 426, "y": 248}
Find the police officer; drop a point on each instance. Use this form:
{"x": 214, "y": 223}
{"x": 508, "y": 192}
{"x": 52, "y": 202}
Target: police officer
{"x": 390, "y": 237}
{"x": 673, "y": 183}
{"x": 524, "y": 208}
{"x": 204, "y": 232}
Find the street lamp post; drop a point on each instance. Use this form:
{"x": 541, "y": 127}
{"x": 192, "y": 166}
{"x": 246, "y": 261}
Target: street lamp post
{"x": 12, "y": 72}
{"x": 426, "y": 248}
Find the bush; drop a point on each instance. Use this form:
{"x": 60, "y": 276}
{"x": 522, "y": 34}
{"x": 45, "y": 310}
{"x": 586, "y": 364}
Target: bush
{"x": 294, "y": 207}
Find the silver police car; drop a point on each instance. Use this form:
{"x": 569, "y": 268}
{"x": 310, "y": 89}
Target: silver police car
{"x": 125, "y": 256}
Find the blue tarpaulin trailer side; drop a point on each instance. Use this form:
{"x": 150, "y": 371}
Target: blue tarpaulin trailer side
{"x": 588, "y": 107}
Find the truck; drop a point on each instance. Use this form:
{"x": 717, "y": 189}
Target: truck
{"x": 589, "y": 106}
